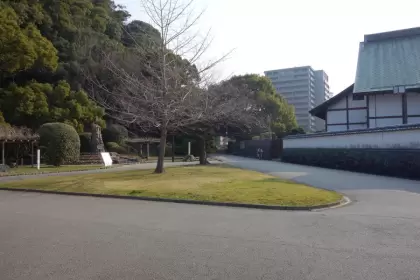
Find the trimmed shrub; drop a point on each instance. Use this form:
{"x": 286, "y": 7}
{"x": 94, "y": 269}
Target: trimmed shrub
{"x": 85, "y": 142}
{"x": 115, "y": 148}
{"x": 60, "y": 142}
{"x": 387, "y": 162}
{"x": 115, "y": 133}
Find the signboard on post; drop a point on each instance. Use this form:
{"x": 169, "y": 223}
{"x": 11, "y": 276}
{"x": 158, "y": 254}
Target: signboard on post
{"x": 106, "y": 159}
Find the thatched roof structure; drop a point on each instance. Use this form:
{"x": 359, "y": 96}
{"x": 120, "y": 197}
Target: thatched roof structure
{"x": 17, "y": 134}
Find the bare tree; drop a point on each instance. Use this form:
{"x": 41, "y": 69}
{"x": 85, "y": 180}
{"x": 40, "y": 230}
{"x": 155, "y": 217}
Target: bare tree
{"x": 159, "y": 87}
{"x": 226, "y": 106}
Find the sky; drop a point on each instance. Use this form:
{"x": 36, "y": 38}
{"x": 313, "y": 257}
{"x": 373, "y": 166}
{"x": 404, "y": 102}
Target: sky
{"x": 273, "y": 34}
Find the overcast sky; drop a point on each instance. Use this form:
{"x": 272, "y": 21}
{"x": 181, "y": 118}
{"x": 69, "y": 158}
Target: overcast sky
{"x": 273, "y": 34}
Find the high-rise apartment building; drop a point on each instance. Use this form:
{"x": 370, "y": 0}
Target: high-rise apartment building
{"x": 322, "y": 94}
{"x": 304, "y": 88}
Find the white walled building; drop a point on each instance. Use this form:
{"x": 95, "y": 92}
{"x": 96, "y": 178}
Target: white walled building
{"x": 347, "y": 111}
{"x": 382, "y": 108}
{"x": 386, "y": 91}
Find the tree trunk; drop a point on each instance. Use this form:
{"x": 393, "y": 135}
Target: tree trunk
{"x": 161, "y": 156}
{"x": 203, "y": 155}
{"x": 173, "y": 148}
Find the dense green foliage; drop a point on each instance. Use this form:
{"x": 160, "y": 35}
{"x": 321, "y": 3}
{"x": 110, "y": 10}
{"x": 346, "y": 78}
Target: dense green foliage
{"x": 44, "y": 47}
{"x": 115, "y": 133}
{"x": 32, "y": 104}
{"x": 280, "y": 114}
{"x": 388, "y": 162}
{"x": 22, "y": 46}
{"x": 49, "y": 47}
{"x": 60, "y": 143}
{"x": 115, "y": 148}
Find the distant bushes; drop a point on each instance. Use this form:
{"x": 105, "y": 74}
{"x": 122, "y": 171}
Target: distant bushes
{"x": 115, "y": 148}
{"x": 115, "y": 133}
{"x": 388, "y": 162}
{"x": 60, "y": 142}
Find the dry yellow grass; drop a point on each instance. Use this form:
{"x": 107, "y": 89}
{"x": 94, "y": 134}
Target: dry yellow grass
{"x": 208, "y": 183}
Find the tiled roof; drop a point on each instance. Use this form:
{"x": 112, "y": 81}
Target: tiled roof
{"x": 387, "y": 60}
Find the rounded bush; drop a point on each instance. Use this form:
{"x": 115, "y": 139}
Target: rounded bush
{"x": 60, "y": 142}
{"x": 115, "y": 148}
{"x": 115, "y": 133}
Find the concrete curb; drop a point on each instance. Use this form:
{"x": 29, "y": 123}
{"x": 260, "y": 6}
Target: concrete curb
{"x": 344, "y": 201}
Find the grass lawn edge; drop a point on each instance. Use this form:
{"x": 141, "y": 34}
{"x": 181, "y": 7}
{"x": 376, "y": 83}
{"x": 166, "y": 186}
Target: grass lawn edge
{"x": 344, "y": 200}
{"x": 4, "y": 175}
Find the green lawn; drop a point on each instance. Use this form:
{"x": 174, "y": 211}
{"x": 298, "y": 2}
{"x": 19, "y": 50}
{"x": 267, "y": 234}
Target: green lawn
{"x": 28, "y": 170}
{"x": 208, "y": 183}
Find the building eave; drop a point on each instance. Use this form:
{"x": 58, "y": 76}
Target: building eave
{"x": 321, "y": 110}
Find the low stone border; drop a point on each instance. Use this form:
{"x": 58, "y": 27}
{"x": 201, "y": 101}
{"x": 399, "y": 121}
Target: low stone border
{"x": 343, "y": 201}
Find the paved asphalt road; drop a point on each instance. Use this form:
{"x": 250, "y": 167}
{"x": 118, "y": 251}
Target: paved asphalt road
{"x": 63, "y": 237}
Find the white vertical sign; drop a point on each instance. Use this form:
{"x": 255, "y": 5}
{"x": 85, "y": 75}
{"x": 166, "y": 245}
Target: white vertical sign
{"x": 38, "y": 159}
{"x": 106, "y": 159}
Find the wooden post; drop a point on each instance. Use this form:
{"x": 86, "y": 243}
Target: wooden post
{"x": 173, "y": 148}
{"x": 3, "y": 161}
{"x": 147, "y": 156}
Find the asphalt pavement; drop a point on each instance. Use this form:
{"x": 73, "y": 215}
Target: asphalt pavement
{"x": 377, "y": 236}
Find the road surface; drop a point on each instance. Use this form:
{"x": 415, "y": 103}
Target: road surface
{"x": 46, "y": 236}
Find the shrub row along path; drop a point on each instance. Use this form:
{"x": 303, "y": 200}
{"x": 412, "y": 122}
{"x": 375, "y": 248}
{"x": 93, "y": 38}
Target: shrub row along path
{"x": 46, "y": 236}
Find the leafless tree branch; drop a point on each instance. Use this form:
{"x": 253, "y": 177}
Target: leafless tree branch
{"x": 157, "y": 87}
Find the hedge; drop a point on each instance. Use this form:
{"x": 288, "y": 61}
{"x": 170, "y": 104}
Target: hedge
{"x": 115, "y": 133}
{"x": 388, "y": 162}
{"x": 115, "y": 148}
{"x": 60, "y": 142}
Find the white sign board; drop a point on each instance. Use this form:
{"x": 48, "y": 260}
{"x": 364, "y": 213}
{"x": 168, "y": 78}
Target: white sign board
{"x": 106, "y": 159}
